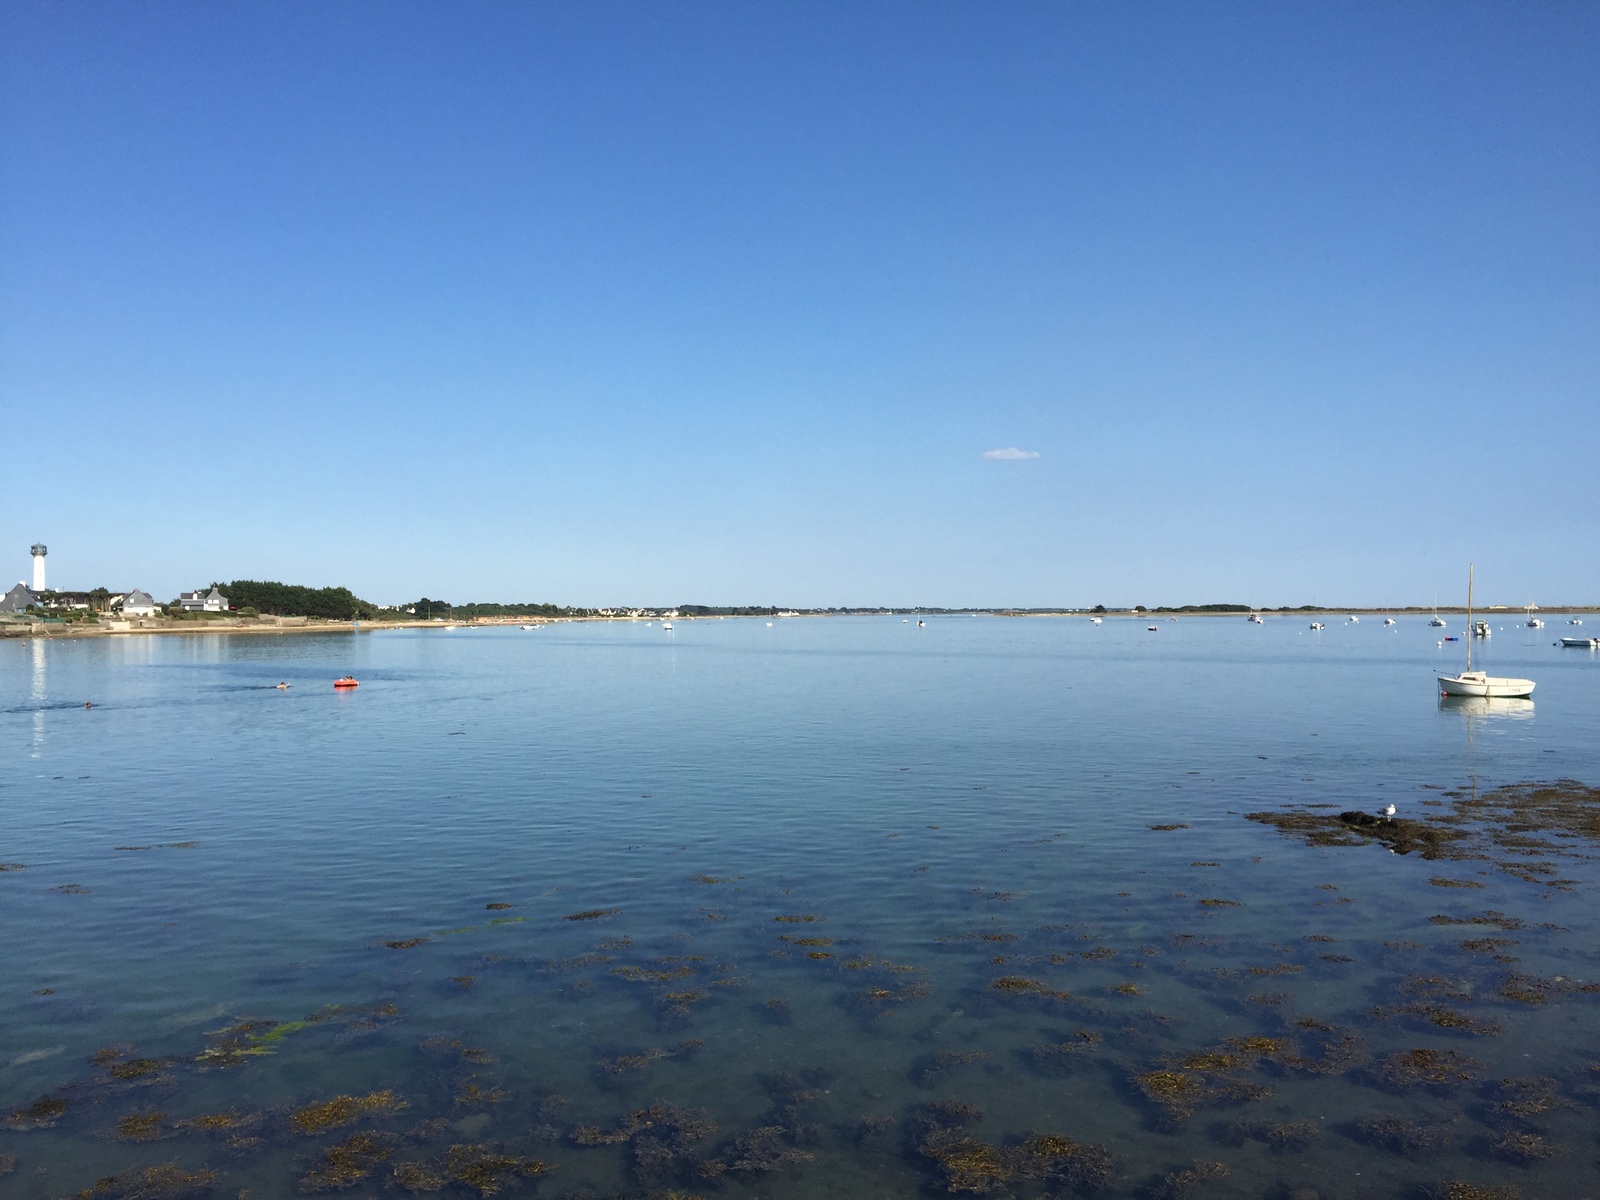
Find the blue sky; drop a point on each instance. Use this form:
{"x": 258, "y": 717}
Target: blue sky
{"x": 724, "y": 303}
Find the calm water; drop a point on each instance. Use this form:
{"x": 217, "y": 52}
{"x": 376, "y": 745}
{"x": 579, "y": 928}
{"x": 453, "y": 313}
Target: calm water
{"x": 948, "y": 805}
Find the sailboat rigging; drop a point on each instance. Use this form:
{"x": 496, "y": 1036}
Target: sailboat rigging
{"x": 1480, "y": 683}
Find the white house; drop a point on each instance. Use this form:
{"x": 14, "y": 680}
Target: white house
{"x": 197, "y": 601}
{"x": 138, "y": 604}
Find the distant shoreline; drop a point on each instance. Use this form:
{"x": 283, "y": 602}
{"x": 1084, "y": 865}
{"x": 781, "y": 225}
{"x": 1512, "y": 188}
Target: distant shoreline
{"x": 256, "y": 627}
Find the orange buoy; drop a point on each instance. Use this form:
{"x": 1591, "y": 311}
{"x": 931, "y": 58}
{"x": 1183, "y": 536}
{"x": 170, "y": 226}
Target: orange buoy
{"x": 349, "y": 681}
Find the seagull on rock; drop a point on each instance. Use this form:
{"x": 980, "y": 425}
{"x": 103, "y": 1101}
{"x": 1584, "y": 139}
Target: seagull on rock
{"x": 1389, "y": 811}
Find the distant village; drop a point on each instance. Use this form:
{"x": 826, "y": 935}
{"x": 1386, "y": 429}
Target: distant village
{"x": 37, "y": 597}
{"x": 34, "y": 604}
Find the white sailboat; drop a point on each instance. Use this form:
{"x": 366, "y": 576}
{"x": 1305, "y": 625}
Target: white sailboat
{"x": 1438, "y": 622}
{"x": 1479, "y": 683}
{"x": 1533, "y": 621}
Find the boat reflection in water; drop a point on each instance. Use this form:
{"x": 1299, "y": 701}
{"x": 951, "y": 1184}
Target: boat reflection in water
{"x": 1487, "y": 706}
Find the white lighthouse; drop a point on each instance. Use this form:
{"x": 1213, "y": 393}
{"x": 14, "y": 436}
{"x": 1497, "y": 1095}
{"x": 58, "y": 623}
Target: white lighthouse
{"x": 39, "y": 551}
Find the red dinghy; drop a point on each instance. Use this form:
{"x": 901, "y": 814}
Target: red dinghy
{"x": 349, "y": 681}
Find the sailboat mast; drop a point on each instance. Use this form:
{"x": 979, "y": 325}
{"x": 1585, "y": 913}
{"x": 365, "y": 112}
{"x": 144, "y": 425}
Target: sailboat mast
{"x": 1471, "y": 567}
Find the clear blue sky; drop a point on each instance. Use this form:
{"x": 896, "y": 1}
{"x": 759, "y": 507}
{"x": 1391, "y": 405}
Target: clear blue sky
{"x": 723, "y": 303}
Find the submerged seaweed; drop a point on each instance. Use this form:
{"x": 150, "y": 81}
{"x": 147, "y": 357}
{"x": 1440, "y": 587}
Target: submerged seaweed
{"x": 346, "y": 1163}
{"x": 663, "y": 1137}
{"x": 1400, "y": 1135}
{"x": 1437, "y": 1068}
{"x": 143, "y": 1126}
{"x": 1286, "y": 1136}
{"x": 343, "y": 1110}
{"x": 623, "y": 1063}
{"x": 486, "y": 1168}
{"x": 41, "y": 1114}
{"x": 968, "y": 1165}
{"x": 1181, "y": 1183}
{"x": 167, "y": 1181}
{"x": 768, "y": 1148}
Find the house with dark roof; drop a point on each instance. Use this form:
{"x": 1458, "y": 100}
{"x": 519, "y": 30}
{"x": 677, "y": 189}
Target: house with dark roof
{"x": 137, "y": 604}
{"x": 197, "y": 601}
{"x": 18, "y": 599}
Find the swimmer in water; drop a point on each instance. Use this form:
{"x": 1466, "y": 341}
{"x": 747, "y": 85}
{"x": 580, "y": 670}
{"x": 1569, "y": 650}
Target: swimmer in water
{"x": 283, "y": 687}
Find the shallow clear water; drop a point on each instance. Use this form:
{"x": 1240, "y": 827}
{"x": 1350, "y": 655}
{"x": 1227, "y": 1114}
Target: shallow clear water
{"x": 950, "y": 805}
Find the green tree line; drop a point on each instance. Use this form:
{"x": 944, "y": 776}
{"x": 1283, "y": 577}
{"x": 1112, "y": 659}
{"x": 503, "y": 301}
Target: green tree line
{"x": 292, "y": 600}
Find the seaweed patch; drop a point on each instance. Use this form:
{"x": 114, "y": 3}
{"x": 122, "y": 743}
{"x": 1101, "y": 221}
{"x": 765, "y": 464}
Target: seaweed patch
{"x": 343, "y": 1110}
{"x": 167, "y": 1181}
{"x": 348, "y": 1162}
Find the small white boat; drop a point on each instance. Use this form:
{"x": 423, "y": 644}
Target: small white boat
{"x": 530, "y": 627}
{"x": 667, "y": 625}
{"x": 922, "y": 624}
{"x": 1318, "y": 625}
{"x": 1153, "y": 628}
{"x": 1354, "y": 620}
{"x": 1388, "y": 621}
{"x": 1096, "y": 621}
{"x": 1438, "y": 622}
{"x": 1255, "y": 619}
{"x": 1581, "y": 643}
{"x": 1533, "y": 622}
{"x": 1575, "y": 621}
{"x": 1479, "y": 683}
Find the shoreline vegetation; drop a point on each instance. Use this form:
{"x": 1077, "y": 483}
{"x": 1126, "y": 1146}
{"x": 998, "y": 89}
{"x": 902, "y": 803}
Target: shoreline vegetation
{"x": 337, "y": 610}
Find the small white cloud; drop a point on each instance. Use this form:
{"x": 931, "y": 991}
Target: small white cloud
{"x": 1010, "y": 454}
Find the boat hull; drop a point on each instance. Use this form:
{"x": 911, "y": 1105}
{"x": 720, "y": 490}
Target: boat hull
{"x": 1488, "y": 687}
{"x": 1581, "y": 643}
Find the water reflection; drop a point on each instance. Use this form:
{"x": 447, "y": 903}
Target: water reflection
{"x": 37, "y": 694}
{"x": 1485, "y": 706}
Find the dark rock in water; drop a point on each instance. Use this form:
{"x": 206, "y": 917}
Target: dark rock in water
{"x": 1357, "y": 817}
{"x": 1432, "y": 839}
